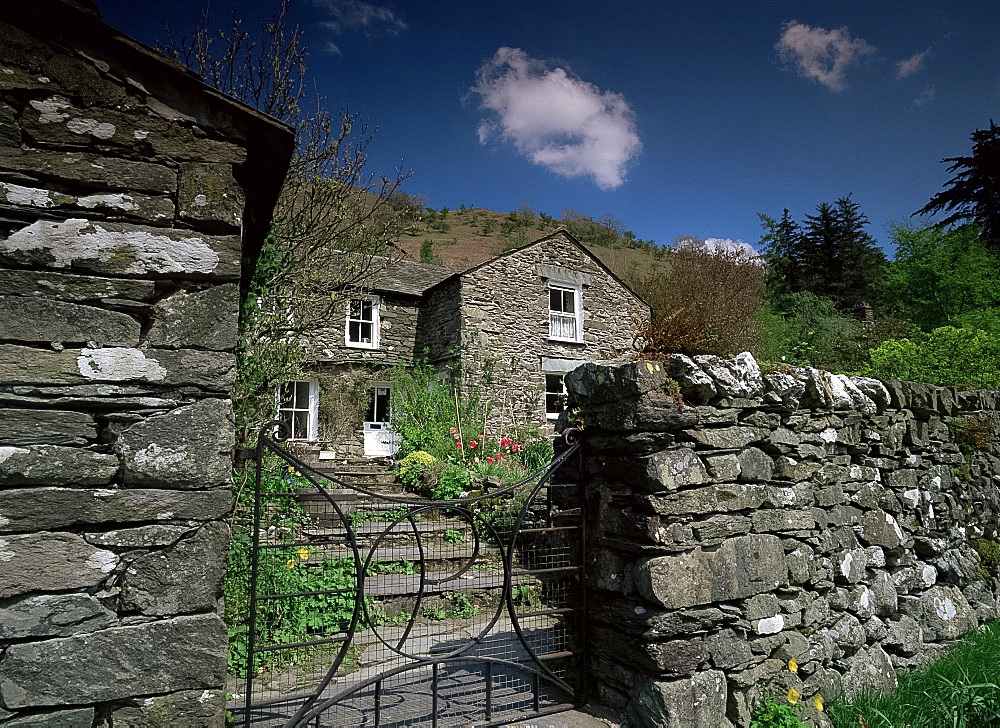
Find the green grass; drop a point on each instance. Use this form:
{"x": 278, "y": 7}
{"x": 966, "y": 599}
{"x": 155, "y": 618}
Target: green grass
{"x": 961, "y": 690}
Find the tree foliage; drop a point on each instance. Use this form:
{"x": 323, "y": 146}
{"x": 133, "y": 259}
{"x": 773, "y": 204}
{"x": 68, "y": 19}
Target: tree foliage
{"x": 943, "y": 277}
{"x": 973, "y": 193}
{"x": 830, "y": 254}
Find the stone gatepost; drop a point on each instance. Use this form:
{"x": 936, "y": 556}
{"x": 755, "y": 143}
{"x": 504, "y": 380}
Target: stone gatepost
{"x": 792, "y": 532}
{"x": 123, "y": 221}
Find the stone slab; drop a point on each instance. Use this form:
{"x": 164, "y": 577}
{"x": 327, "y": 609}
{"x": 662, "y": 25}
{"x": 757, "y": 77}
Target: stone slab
{"x": 53, "y": 615}
{"x": 51, "y": 562}
{"x": 55, "y": 465}
{"x": 31, "y": 319}
{"x": 45, "y": 427}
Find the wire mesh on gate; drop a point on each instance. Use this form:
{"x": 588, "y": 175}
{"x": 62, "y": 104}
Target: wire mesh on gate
{"x": 367, "y": 606}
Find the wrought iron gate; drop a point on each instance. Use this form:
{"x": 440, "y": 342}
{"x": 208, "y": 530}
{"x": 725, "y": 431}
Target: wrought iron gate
{"x": 366, "y": 606}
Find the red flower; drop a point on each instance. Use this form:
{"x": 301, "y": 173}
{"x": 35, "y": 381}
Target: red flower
{"x": 499, "y": 456}
{"x": 515, "y": 447}
{"x": 452, "y": 429}
{"x": 472, "y": 443}
{"x": 459, "y": 444}
{"x": 489, "y": 460}
{"x": 457, "y": 436}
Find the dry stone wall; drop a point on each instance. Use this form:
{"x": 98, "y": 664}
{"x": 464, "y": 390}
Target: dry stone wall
{"x": 120, "y": 261}
{"x": 767, "y": 532}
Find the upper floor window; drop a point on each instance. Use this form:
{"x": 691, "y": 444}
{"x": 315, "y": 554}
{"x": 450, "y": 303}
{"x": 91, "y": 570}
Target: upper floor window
{"x": 565, "y": 312}
{"x": 362, "y": 323}
{"x": 298, "y": 405}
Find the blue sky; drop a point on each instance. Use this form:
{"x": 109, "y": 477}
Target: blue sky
{"x": 682, "y": 118}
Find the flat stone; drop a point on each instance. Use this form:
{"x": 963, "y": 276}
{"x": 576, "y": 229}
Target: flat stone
{"x": 122, "y": 249}
{"x": 728, "y": 650}
{"x": 728, "y": 438}
{"x": 870, "y": 671}
{"x": 905, "y": 636}
{"x": 942, "y": 612}
{"x": 189, "y": 447}
{"x": 55, "y": 465}
{"x": 708, "y": 499}
{"x": 725, "y": 467}
{"x": 50, "y": 562}
{"x": 73, "y": 287}
{"x": 213, "y": 371}
{"x": 53, "y": 615}
{"x": 45, "y": 427}
{"x": 139, "y": 538}
{"x": 186, "y": 708}
{"x": 204, "y": 319}
{"x": 150, "y": 208}
{"x": 181, "y": 579}
{"x": 755, "y": 466}
{"x": 31, "y": 319}
{"x": 879, "y": 528}
{"x": 23, "y": 510}
{"x": 94, "y": 170}
{"x": 75, "y": 718}
{"x": 677, "y": 468}
{"x": 739, "y": 567}
{"x": 10, "y": 132}
{"x": 208, "y": 193}
{"x": 696, "y": 702}
{"x": 183, "y": 653}
{"x": 721, "y": 527}
{"x": 781, "y": 519}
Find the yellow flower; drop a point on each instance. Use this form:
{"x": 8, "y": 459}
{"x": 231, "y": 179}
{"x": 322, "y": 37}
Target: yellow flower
{"x": 290, "y": 563}
{"x": 818, "y": 702}
{"x": 291, "y": 469}
{"x": 303, "y": 553}
{"x": 793, "y": 696}
{"x": 298, "y": 474}
{"x": 793, "y": 665}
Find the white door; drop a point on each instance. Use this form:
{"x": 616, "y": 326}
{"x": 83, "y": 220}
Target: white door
{"x": 380, "y": 440}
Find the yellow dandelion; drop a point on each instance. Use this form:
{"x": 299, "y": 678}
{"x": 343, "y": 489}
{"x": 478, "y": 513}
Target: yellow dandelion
{"x": 290, "y": 563}
{"x": 298, "y": 474}
{"x": 818, "y": 702}
{"x": 793, "y": 665}
{"x": 303, "y": 553}
{"x": 793, "y": 696}
{"x": 291, "y": 469}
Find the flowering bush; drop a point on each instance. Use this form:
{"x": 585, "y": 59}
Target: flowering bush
{"x": 411, "y": 466}
{"x": 452, "y": 482}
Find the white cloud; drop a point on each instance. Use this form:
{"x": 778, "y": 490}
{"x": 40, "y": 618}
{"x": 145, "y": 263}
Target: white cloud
{"x": 331, "y": 48}
{"x": 565, "y": 124}
{"x": 739, "y": 248}
{"x": 820, "y": 54}
{"x": 925, "y": 97}
{"x": 358, "y": 15}
{"x": 909, "y": 66}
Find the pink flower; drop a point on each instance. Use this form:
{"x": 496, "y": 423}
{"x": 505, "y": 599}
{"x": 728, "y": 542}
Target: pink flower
{"x": 499, "y": 456}
{"x": 459, "y": 444}
{"x": 473, "y": 443}
{"x": 452, "y": 429}
{"x": 457, "y": 436}
{"x": 515, "y": 447}
{"x": 489, "y": 460}
{"x": 476, "y": 461}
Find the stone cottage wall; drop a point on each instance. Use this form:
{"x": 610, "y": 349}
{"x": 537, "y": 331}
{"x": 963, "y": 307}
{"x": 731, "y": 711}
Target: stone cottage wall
{"x": 120, "y": 260}
{"x": 505, "y": 317}
{"x": 793, "y": 516}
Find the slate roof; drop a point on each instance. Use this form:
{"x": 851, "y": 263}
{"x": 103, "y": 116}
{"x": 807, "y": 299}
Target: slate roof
{"x": 408, "y": 277}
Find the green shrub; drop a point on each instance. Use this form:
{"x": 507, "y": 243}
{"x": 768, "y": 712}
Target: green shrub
{"x": 411, "y": 466}
{"x": 768, "y": 714}
{"x": 947, "y": 356}
{"x": 452, "y": 481}
{"x": 537, "y": 454}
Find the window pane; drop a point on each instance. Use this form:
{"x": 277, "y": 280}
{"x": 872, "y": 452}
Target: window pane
{"x": 301, "y": 395}
{"x": 366, "y": 311}
{"x": 555, "y": 300}
{"x": 381, "y": 404}
{"x": 355, "y": 308}
{"x": 553, "y": 383}
{"x": 365, "y": 331}
{"x": 570, "y": 328}
{"x": 354, "y": 332}
{"x": 300, "y": 425}
{"x": 285, "y": 393}
{"x": 568, "y": 301}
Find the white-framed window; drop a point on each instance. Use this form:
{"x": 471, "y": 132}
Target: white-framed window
{"x": 565, "y": 312}
{"x": 555, "y": 394}
{"x": 298, "y": 405}
{"x": 361, "y": 330}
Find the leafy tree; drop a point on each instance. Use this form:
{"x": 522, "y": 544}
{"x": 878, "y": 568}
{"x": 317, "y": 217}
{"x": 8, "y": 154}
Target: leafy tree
{"x": 973, "y": 194}
{"x": 943, "y": 277}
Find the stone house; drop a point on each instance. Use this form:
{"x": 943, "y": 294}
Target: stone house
{"x": 536, "y": 312}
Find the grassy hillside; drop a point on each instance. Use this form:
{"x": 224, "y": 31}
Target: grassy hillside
{"x": 466, "y": 237}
